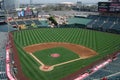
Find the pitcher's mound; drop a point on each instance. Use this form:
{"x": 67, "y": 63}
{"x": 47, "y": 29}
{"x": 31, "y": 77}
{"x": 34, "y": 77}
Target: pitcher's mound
{"x": 55, "y": 55}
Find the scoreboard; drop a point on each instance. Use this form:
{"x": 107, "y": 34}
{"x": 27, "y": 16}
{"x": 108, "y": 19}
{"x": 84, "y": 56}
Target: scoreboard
{"x": 113, "y": 7}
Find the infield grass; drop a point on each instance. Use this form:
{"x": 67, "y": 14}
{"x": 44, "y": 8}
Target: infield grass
{"x": 47, "y": 59}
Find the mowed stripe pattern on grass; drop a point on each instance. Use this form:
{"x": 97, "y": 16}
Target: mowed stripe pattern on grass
{"x": 102, "y": 43}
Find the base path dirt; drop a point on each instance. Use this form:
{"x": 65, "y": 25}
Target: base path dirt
{"x": 84, "y": 52}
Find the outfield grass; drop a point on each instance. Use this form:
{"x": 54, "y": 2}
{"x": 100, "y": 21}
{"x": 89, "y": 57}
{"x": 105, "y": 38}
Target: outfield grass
{"x": 103, "y": 43}
{"x": 65, "y": 55}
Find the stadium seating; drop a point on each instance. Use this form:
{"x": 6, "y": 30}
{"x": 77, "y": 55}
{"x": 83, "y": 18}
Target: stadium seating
{"x": 90, "y": 17}
{"x": 94, "y": 26}
{"x": 116, "y": 26}
{"x": 103, "y": 18}
{"x": 3, "y": 76}
{"x": 107, "y": 25}
{"x": 118, "y": 20}
{"x": 20, "y": 22}
{"x": 41, "y": 23}
{"x": 117, "y": 77}
{"x": 94, "y": 17}
{"x": 44, "y": 23}
{"x": 3, "y": 39}
{"x": 104, "y": 23}
{"x": 99, "y": 23}
{"x": 13, "y": 23}
{"x": 28, "y": 22}
{"x": 101, "y": 73}
{"x": 111, "y": 71}
{"x": 37, "y": 22}
{"x": 114, "y": 19}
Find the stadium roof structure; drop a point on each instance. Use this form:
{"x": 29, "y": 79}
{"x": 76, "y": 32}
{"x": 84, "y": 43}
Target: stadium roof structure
{"x": 82, "y": 21}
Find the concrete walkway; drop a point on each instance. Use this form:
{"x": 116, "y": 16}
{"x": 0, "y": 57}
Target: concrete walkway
{"x": 3, "y": 40}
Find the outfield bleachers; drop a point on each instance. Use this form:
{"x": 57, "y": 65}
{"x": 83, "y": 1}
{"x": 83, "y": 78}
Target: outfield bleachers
{"x": 107, "y": 23}
{"x": 103, "y": 18}
{"x": 41, "y": 23}
{"x": 44, "y": 23}
{"x": 28, "y": 22}
{"x": 116, "y": 26}
{"x": 94, "y": 26}
{"x": 100, "y": 22}
{"x": 20, "y": 22}
{"x": 13, "y": 23}
{"x": 94, "y": 17}
{"x": 118, "y": 20}
{"x": 113, "y": 19}
{"x": 37, "y": 22}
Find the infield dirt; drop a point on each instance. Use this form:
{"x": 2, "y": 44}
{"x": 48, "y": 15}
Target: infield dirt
{"x": 84, "y": 52}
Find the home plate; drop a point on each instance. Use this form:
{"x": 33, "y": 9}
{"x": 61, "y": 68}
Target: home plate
{"x": 46, "y": 68}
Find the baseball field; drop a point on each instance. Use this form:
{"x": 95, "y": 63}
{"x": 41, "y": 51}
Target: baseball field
{"x": 52, "y": 54}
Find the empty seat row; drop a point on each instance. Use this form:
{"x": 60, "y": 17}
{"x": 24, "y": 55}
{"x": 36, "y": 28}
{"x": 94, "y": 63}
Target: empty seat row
{"x": 3, "y": 76}
{"x": 108, "y": 70}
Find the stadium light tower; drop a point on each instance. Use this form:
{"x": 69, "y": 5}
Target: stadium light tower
{"x": 1, "y": 4}
{"x": 31, "y": 2}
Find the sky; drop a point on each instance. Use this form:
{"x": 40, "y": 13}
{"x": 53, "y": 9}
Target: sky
{"x": 58, "y": 1}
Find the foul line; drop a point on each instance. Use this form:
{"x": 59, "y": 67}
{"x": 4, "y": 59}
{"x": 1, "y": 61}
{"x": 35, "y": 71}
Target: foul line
{"x": 67, "y": 62}
{"x": 42, "y": 64}
{"x": 36, "y": 59}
